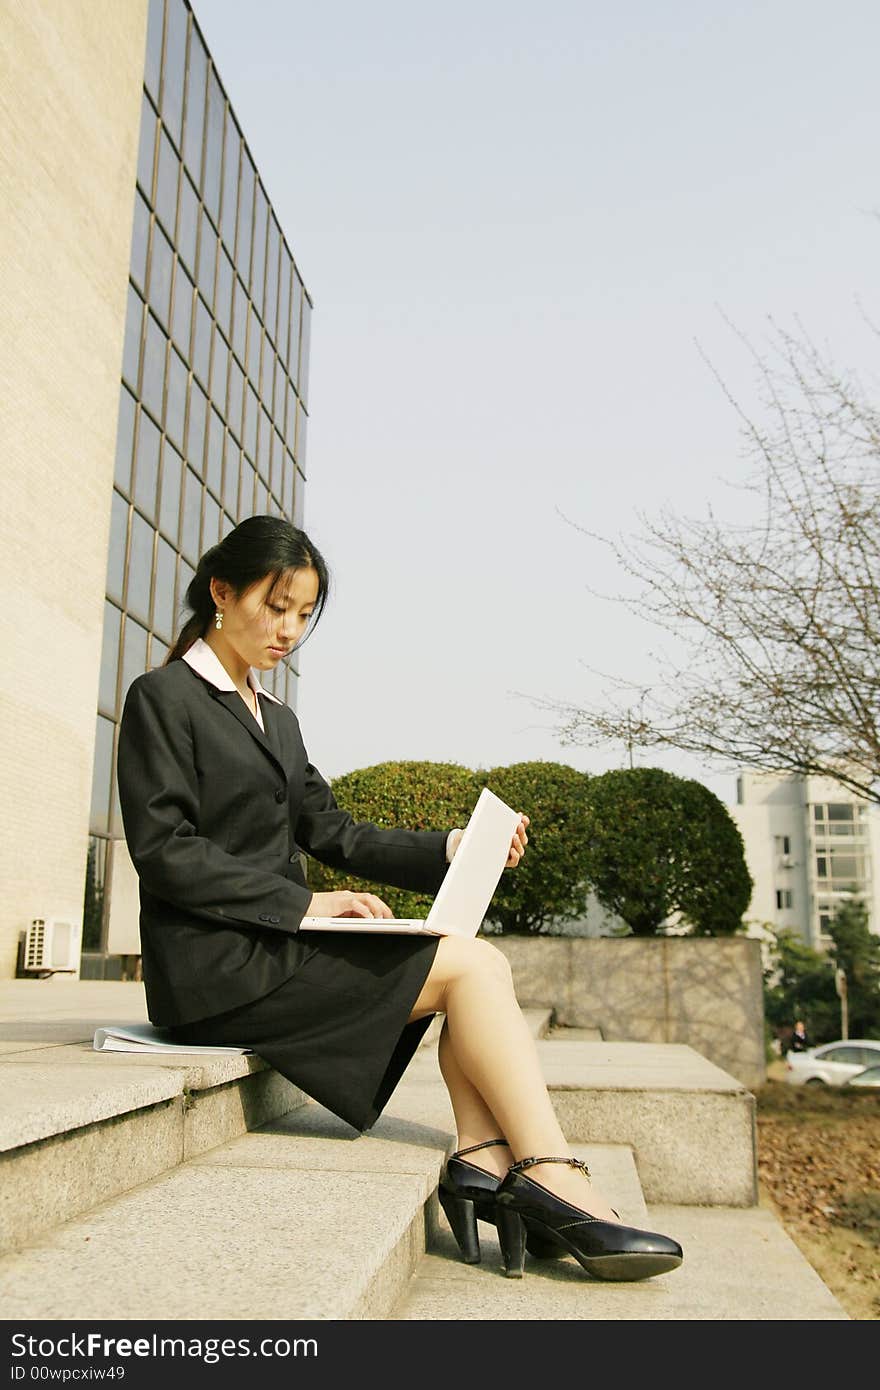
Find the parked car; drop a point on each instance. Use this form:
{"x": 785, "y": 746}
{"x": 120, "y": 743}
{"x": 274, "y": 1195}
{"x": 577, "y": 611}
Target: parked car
{"x": 869, "y": 1077}
{"x": 833, "y": 1064}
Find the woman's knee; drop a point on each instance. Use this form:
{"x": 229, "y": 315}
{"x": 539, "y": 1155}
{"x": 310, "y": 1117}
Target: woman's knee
{"x": 462, "y": 957}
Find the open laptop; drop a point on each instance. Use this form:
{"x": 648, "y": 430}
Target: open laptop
{"x": 466, "y": 891}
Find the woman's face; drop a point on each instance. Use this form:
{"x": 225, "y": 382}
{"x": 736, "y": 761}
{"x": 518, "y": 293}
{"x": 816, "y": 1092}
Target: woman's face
{"x": 262, "y": 624}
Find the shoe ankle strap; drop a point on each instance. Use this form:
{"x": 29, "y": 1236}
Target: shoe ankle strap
{"x": 486, "y": 1144}
{"x": 528, "y": 1162}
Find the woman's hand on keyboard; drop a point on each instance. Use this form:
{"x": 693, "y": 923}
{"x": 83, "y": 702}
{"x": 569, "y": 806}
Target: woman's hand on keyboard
{"x": 346, "y": 904}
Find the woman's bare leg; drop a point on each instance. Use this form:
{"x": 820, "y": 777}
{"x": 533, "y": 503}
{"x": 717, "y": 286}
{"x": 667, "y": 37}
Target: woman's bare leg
{"x": 474, "y": 1121}
{"x": 493, "y": 1050}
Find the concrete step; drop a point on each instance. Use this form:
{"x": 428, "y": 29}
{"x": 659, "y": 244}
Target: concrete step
{"x": 690, "y": 1125}
{"x": 738, "y": 1265}
{"x": 79, "y": 1127}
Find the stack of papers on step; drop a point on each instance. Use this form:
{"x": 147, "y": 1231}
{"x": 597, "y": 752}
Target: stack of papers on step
{"x": 144, "y": 1037}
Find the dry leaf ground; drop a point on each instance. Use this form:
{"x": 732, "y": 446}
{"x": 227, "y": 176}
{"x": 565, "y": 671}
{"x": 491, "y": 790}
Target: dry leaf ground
{"x": 819, "y": 1168}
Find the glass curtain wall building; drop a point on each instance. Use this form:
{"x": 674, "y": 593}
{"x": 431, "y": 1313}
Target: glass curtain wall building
{"x": 213, "y": 408}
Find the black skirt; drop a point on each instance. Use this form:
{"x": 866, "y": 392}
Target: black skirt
{"x": 338, "y": 1027}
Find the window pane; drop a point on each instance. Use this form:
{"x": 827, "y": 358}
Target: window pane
{"x": 245, "y": 217}
{"x": 263, "y": 445}
{"x": 158, "y": 652}
{"x": 154, "y": 368}
{"x": 302, "y": 426}
{"x": 195, "y": 431}
{"x": 840, "y": 811}
{"x": 93, "y": 893}
{"x": 109, "y": 660}
{"x": 249, "y": 439}
{"x": 182, "y": 319}
{"x": 153, "y": 62}
{"x": 163, "y": 603}
{"x": 253, "y": 350}
{"x": 270, "y": 315}
{"x": 192, "y": 516}
{"x": 262, "y": 499}
{"x": 195, "y": 107}
{"x": 230, "y": 479}
{"x": 283, "y": 329}
{"x": 276, "y": 466}
{"x": 131, "y": 349}
{"x": 140, "y": 568}
{"x": 185, "y": 576}
{"x": 169, "y": 510}
{"x": 175, "y": 405}
{"x": 124, "y": 441}
{"x": 226, "y": 525}
{"x": 267, "y": 373}
{"x": 116, "y": 549}
{"x": 140, "y": 239}
{"x": 236, "y": 389}
{"x": 278, "y": 395}
{"x": 147, "y": 471}
{"x": 239, "y": 321}
{"x": 299, "y": 497}
{"x": 207, "y": 259}
{"x": 304, "y": 345}
{"x": 223, "y": 306}
{"x": 248, "y": 484}
{"x": 295, "y": 316}
{"x": 219, "y": 370}
{"x": 166, "y": 184}
{"x": 287, "y": 486}
{"x": 147, "y": 148}
{"x": 189, "y": 224}
{"x": 290, "y": 419}
{"x": 202, "y": 343}
{"x": 213, "y": 146}
{"x": 214, "y": 467}
{"x": 258, "y": 271}
{"x": 161, "y": 268}
{"x": 134, "y": 653}
{"x": 211, "y": 533}
{"x": 98, "y": 815}
{"x": 231, "y": 152}
{"x": 175, "y": 64}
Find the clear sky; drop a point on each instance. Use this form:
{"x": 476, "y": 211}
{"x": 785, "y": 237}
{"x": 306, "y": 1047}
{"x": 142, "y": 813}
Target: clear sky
{"x": 517, "y": 222}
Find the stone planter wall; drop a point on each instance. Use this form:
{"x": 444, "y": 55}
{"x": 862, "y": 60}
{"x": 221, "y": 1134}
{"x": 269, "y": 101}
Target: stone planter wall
{"x": 706, "y": 992}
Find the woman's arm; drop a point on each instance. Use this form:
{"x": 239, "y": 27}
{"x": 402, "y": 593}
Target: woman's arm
{"x": 413, "y": 859}
{"x": 159, "y": 796}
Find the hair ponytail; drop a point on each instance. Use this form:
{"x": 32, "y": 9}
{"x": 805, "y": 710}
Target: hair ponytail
{"x": 259, "y": 546}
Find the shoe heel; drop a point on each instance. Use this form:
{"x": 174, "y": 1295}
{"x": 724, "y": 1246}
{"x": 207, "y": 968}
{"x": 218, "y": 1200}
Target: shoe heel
{"x": 462, "y": 1217}
{"x": 512, "y": 1239}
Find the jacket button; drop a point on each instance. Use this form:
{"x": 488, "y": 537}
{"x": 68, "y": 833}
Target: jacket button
{"x": 280, "y": 795}
{"x": 274, "y": 919}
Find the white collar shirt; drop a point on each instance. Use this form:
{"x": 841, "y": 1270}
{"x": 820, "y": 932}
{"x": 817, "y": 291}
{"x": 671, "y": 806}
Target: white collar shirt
{"x": 205, "y": 662}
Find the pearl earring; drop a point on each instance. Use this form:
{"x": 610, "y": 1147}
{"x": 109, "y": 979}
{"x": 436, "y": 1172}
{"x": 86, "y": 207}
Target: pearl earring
{"x": 218, "y": 619}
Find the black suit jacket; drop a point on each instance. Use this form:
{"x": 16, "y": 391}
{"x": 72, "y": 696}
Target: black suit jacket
{"x": 215, "y": 812}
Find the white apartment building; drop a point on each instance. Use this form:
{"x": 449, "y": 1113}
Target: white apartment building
{"x": 810, "y": 845}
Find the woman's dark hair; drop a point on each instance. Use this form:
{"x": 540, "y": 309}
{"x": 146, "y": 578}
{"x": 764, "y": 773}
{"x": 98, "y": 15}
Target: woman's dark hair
{"x": 257, "y": 547}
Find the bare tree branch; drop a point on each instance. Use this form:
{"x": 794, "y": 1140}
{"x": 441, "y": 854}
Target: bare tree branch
{"x": 780, "y": 615}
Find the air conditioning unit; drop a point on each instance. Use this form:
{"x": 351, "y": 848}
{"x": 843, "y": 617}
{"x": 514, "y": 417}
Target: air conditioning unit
{"x": 787, "y": 861}
{"x": 50, "y": 945}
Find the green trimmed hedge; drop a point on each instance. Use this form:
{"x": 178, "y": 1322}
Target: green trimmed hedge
{"x": 551, "y": 882}
{"x": 659, "y": 845}
{"x": 404, "y": 795}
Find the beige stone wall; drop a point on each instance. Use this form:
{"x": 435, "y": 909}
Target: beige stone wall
{"x": 703, "y": 991}
{"x": 71, "y": 74}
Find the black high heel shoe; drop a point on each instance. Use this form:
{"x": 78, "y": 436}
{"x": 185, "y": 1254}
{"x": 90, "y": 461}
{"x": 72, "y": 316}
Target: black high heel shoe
{"x": 467, "y": 1195}
{"x": 526, "y": 1210}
